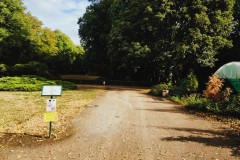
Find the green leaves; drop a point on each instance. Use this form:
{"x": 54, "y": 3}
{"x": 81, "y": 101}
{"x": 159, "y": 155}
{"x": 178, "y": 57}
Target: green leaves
{"x": 157, "y": 36}
{"x": 24, "y": 39}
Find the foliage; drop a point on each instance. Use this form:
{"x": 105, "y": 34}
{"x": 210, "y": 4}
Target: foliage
{"x": 68, "y": 54}
{"x": 157, "y": 89}
{"x": 3, "y": 69}
{"x": 232, "y": 106}
{"x": 94, "y": 28}
{"x": 30, "y": 68}
{"x": 226, "y": 93}
{"x": 154, "y": 40}
{"x": 190, "y": 84}
{"x": 24, "y": 40}
{"x": 30, "y": 83}
{"x": 13, "y": 29}
{"x": 229, "y": 107}
{"x": 213, "y": 88}
{"x": 192, "y": 100}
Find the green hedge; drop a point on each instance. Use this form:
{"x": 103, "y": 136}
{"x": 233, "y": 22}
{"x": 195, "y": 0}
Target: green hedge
{"x": 30, "y": 68}
{"x": 31, "y": 83}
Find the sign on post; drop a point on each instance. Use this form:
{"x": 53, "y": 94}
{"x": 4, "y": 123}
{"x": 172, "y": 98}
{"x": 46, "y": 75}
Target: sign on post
{"x": 48, "y": 90}
{"x": 50, "y": 117}
{"x": 51, "y": 105}
{"x": 51, "y": 111}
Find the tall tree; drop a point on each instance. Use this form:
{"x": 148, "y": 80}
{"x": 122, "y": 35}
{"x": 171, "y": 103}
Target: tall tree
{"x": 13, "y": 30}
{"x": 94, "y": 28}
{"x": 67, "y": 53}
{"x": 232, "y": 54}
{"x": 154, "y": 40}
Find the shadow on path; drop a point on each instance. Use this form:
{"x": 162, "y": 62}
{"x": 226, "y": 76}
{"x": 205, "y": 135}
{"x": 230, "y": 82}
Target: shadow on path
{"x": 208, "y": 137}
{"x": 161, "y": 110}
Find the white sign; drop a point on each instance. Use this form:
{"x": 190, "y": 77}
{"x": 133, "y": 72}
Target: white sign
{"x": 51, "y": 105}
{"x": 51, "y": 90}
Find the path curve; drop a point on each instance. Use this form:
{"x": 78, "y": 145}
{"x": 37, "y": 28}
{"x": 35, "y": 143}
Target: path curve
{"x": 129, "y": 124}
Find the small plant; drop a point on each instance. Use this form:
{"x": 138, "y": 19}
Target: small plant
{"x": 226, "y": 94}
{"x": 190, "y": 84}
{"x": 213, "y": 88}
{"x": 157, "y": 90}
{"x": 3, "y": 69}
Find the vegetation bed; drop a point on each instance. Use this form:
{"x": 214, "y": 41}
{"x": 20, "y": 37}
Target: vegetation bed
{"x": 31, "y": 83}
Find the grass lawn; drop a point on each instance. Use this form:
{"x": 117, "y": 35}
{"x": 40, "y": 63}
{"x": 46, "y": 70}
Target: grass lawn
{"x": 22, "y": 112}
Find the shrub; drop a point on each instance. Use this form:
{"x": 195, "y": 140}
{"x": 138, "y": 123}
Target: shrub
{"x": 226, "y": 108}
{"x": 31, "y": 68}
{"x": 157, "y": 89}
{"x": 225, "y": 94}
{"x": 213, "y": 88}
{"x": 231, "y": 107}
{"x": 3, "y": 69}
{"x": 189, "y": 84}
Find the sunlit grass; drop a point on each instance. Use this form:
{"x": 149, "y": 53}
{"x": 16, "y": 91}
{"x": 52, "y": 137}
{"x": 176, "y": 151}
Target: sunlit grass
{"x": 22, "y": 112}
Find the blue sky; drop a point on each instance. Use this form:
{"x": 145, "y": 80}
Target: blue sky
{"x": 59, "y": 14}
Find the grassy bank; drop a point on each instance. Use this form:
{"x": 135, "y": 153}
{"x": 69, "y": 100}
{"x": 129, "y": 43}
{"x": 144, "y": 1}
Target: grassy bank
{"x": 22, "y": 112}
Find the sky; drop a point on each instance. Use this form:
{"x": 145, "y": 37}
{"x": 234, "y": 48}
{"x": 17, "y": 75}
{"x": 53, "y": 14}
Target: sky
{"x": 59, "y": 14}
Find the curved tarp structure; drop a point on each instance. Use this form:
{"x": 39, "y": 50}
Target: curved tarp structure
{"x": 230, "y": 71}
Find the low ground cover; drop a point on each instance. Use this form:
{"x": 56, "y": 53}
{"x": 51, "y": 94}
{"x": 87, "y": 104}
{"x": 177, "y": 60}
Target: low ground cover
{"x": 31, "y": 83}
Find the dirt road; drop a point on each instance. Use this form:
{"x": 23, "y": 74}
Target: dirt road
{"x": 128, "y": 124}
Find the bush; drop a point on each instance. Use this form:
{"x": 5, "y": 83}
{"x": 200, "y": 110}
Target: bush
{"x": 157, "y": 90}
{"x": 226, "y": 93}
{"x": 31, "y": 83}
{"x": 3, "y": 69}
{"x": 189, "y": 84}
{"x": 226, "y": 108}
{"x": 233, "y": 106}
{"x": 213, "y": 89}
{"x": 31, "y": 68}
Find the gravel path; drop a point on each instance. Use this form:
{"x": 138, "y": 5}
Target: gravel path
{"x": 128, "y": 124}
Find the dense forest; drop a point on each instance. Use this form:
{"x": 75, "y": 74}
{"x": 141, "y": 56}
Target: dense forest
{"x": 136, "y": 40}
{"x": 159, "y": 41}
{"x": 26, "y": 47}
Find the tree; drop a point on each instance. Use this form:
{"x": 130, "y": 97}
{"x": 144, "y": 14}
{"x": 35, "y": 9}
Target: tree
{"x": 67, "y": 55}
{"x": 13, "y": 30}
{"x": 22, "y": 37}
{"x": 94, "y": 28}
{"x": 178, "y": 33}
{"x": 156, "y": 40}
{"x": 231, "y": 54}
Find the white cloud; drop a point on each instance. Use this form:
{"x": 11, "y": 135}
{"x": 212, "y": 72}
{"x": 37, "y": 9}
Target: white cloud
{"x": 59, "y": 14}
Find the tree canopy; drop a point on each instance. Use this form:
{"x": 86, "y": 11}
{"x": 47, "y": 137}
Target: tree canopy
{"x": 139, "y": 40}
{"x": 25, "y": 43}
{"x": 155, "y": 40}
